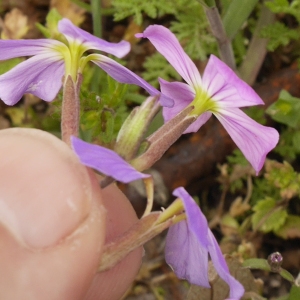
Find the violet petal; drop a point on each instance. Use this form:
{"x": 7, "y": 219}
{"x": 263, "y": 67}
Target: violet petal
{"x": 186, "y": 238}
{"x": 186, "y": 244}
{"x": 18, "y": 48}
{"x": 124, "y": 75}
{"x": 236, "y": 288}
{"x": 72, "y": 32}
{"x": 167, "y": 44}
{"x": 187, "y": 258}
{"x": 225, "y": 87}
{"x": 40, "y": 75}
{"x": 105, "y": 161}
{"x": 253, "y": 139}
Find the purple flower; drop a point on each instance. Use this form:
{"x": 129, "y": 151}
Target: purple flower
{"x": 42, "y": 74}
{"x": 220, "y": 92}
{"x": 105, "y": 161}
{"x": 187, "y": 247}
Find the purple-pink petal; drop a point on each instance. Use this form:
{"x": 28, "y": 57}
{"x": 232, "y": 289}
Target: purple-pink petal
{"x": 72, "y": 32}
{"x": 124, "y": 75}
{"x": 40, "y": 75}
{"x": 18, "y": 48}
{"x": 225, "y": 87}
{"x": 253, "y": 139}
{"x": 188, "y": 244}
{"x": 187, "y": 258}
{"x": 167, "y": 44}
{"x": 105, "y": 161}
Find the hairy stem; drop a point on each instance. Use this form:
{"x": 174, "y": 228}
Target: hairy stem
{"x": 70, "y": 109}
{"x": 141, "y": 232}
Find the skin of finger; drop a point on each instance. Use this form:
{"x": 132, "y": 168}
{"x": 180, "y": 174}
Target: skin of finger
{"x": 65, "y": 269}
{"x": 112, "y": 284}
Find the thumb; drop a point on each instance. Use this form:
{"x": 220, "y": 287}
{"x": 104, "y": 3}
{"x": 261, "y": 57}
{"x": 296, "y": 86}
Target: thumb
{"x": 52, "y": 225}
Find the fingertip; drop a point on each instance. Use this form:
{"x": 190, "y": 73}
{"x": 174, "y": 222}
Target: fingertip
{"x": 52, "y": 221}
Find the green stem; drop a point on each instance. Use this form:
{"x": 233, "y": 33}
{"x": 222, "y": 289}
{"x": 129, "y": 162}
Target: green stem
{"x": 97, "y": 30}
{"x": 97, "y": 17}
{"x": 257, "y": 49}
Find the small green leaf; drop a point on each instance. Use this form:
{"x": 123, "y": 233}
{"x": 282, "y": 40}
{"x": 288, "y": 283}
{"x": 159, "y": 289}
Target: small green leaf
{"x": 267, "y": 216}
{"x": 286, "y": 110}
{"x": 278, "y": 34}
{"x": 288, "y": 276}
{"x": 285, "y": 7}
{"x": 257, "y": 263}
{"x": 137, "y": 9}
{"x": 295, "y": 293}
{"x": 51, "y": 30}
{"x": 236, "y": 15}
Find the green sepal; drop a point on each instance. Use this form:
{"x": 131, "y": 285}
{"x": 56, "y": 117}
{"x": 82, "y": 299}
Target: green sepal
{"x": 268, "y": 216}
{"x": 135, "y": 127}
{"x": 51, "y": 29}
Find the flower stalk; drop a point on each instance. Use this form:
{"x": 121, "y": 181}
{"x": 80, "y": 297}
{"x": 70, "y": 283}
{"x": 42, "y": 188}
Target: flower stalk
{"x": 141, "y": 232}
{"x": 70, "y": 109}
{"x": 218, "y": 30}
{"x": 161, "y": 140}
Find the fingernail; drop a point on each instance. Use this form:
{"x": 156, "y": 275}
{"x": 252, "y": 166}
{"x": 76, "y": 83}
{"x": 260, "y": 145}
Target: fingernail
{"x": 45, "y": 192}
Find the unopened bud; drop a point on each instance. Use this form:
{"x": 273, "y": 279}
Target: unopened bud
{"x": 275, "y": 261}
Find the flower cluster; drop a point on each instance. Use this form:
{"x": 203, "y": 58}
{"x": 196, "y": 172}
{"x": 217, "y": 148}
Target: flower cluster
{"x": 219, "y": 91}
{"x": 188, "y": 242}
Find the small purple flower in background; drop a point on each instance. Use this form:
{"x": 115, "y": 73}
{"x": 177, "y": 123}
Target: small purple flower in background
{"x": 42, "y": 74}
{"x": 105, "y": 161}
{"x": 188, "y": 244}
{"x": 220, "y": 92}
